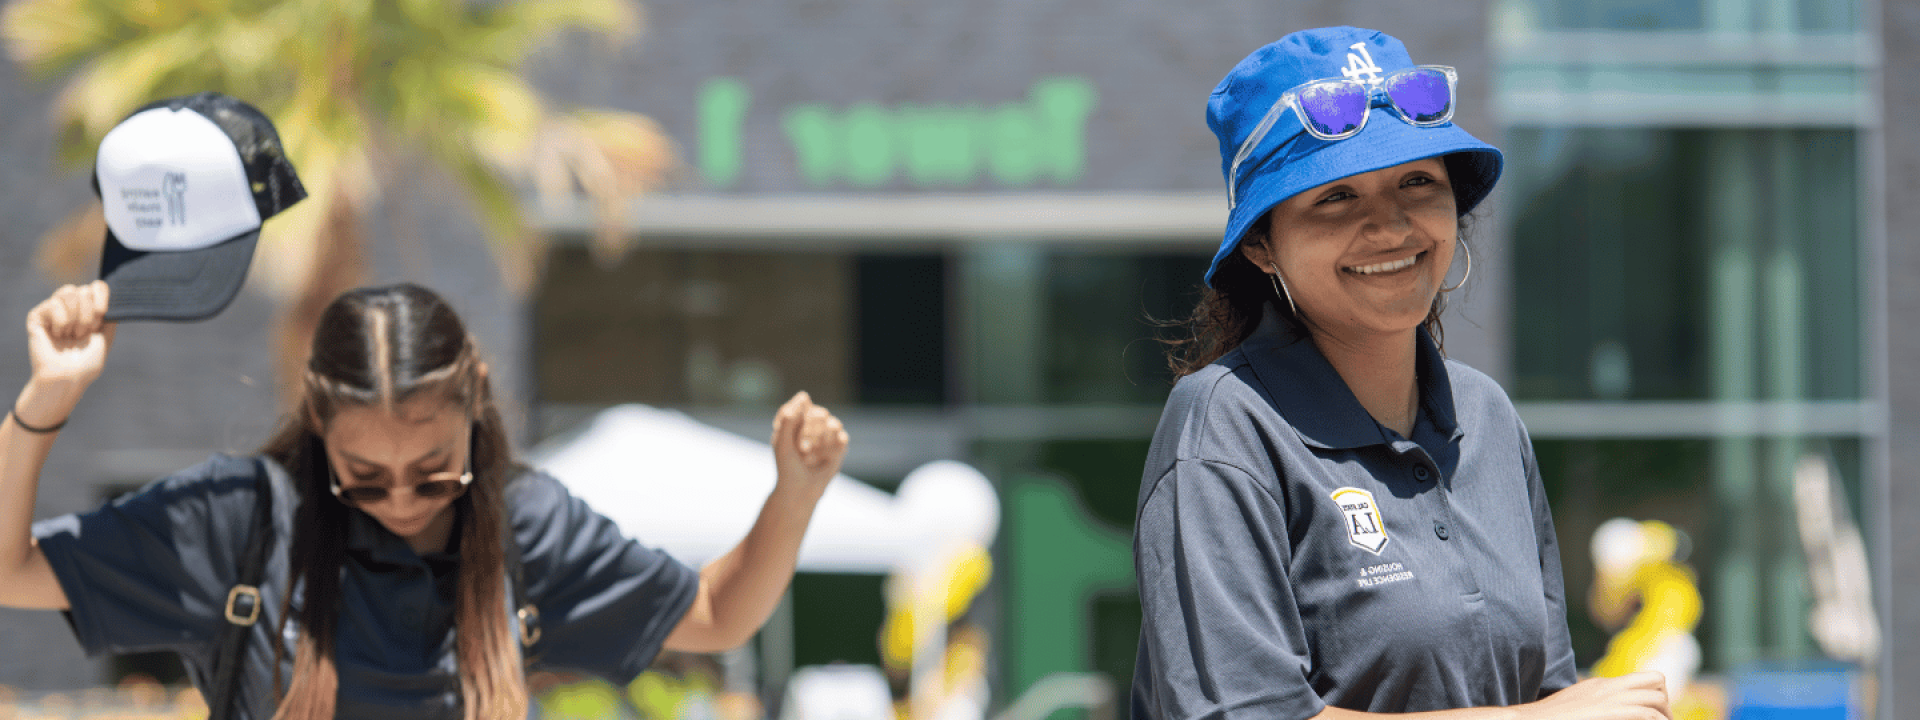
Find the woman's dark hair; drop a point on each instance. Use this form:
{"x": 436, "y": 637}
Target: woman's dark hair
{"x": 381, "y": 347}
{"x": 1231, "y": 307}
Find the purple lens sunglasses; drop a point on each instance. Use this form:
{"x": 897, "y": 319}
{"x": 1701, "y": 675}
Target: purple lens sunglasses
{"x": 1337, "y": 108}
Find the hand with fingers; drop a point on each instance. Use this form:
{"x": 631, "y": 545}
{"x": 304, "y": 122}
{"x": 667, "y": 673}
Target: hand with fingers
{"x": 808, "y": 445}
{"x": 1634, "y": 696}
{"x": 67, "y": 340}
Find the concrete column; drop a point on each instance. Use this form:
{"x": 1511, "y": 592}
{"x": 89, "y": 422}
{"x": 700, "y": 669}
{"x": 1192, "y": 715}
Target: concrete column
{"x": 1894, "y": 152}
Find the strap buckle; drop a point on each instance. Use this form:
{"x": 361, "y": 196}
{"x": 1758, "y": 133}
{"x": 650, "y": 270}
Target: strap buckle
{"x": 251, "y": 614}
{"x": 529, "y": 617}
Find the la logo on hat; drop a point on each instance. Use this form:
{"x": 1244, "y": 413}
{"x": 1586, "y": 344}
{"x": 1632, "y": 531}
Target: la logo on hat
{"x": 185, "y": 184}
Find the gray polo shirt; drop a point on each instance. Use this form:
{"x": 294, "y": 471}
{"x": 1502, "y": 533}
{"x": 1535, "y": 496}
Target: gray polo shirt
{"x": 151, "y": 570}
{"x": 1292, "y": 553}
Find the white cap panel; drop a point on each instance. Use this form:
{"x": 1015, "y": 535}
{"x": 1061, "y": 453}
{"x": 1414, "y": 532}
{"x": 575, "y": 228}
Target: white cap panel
{"x": 172, "y": 181}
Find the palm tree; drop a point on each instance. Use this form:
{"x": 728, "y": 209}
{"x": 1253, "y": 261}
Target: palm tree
{"x": 361, "y": 90}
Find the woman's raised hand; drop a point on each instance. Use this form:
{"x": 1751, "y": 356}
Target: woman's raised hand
{"x": 1634, "y": 696}
{"x": 68, "y": 337}
{"x": 808, "y": 444}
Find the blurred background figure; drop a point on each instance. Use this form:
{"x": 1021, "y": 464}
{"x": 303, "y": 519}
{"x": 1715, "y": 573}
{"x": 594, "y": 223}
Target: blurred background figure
{"x": 930, "y": 645}
{"x": 1843, "y": 619}
{"x": 1646, "y": 595}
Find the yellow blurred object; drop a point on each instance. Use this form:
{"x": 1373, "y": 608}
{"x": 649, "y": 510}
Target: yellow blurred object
{"x": 953, "y": 583}
{"x": 584, "y": 700}
{"x": 1669, "y": 608}
{"x": 1702, "y": 701}
{"x": 945, "y": 660}
{"x": 1641, "y": 583}
{"x": 660, "y": 695}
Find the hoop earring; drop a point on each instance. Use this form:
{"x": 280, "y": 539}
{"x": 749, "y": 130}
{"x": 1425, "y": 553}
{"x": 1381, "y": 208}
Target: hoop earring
{"x": 1463, "y": 276}
{"x": 1280, "y": 288}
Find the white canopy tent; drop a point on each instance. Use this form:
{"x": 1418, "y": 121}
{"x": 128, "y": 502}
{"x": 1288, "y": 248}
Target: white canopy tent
{"x": 694, "y": 490}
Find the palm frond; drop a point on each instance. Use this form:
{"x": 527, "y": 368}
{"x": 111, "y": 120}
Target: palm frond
{"x": 611, "y": 158}
{"x": 509, "y": 32}
{"x": 347, "y": 82}
{"x": 508, "y": 236}
{"x": 51, "y": 36}
{"x": 105, "y": 90}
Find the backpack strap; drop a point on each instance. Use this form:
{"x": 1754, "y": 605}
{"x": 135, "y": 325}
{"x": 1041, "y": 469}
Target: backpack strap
{"x": 526, "y": 615}
{"x": 243, "y": 602}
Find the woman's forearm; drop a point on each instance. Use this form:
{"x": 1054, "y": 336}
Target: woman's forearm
{"x": 25, "y": 579}
{"x": 1484, "y": 713}
{"x": 1634, "y": 696}
{"x": 68, "y": 339}
{"x": 740, "y": 589}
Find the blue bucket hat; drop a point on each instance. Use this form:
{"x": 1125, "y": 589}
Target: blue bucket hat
{"x": 1289, "y": 160}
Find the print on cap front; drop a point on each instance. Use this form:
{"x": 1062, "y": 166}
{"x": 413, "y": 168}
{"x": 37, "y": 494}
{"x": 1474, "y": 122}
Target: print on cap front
{"x": 171, "y": 181}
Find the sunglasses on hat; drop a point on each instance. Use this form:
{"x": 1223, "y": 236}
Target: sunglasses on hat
{"x": 1337, "y": 108}
{"x": 437, "y": 486}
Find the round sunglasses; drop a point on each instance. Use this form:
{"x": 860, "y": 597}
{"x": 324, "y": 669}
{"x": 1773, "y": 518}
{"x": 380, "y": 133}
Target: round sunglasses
{"x": 1337, "y": 108}
{"x": 435, "y": 487}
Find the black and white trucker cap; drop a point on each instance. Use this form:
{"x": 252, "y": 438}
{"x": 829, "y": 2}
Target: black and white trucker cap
{"x": 185, "y": 183}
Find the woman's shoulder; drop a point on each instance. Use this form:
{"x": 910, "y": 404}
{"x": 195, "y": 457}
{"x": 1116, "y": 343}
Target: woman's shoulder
{"x": 1479, "y": 400}
{"x": 215, "y": 495}
{"x": 528, "y": 485}
{"x": 1227, "y": 381}
{"x": 220, "y": 478}
{"x": 538, "y": 503}
{"x": 1215, "y": 413}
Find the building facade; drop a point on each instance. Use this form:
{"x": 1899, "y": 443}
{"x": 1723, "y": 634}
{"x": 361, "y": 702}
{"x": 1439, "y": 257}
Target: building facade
{"x": 955, "y": 222}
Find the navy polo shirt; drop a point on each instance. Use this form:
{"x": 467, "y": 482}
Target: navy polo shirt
{"x": 1292, "y": 553}
{"x": 151, "y": 570}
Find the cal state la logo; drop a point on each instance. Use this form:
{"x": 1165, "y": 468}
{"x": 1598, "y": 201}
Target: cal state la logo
{"x": 1365, "y": 529}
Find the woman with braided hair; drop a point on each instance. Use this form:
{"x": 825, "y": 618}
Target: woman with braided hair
{"x": 399, "y": 519}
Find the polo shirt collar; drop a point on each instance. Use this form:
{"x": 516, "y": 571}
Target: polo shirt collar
{"x": 1315, "y": 400}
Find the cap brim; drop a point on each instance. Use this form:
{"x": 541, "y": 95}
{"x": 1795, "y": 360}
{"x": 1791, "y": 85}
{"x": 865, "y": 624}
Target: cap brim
{"x": 1386, "y": 142}
{"x": 174, "y": 286}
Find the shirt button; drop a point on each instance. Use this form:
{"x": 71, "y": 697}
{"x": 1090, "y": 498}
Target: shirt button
{"x": 1420, "y": 472}
{"x": 1440, "y": 529}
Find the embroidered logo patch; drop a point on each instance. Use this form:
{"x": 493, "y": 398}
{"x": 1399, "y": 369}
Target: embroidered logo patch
{"x": 1365, "y": 529}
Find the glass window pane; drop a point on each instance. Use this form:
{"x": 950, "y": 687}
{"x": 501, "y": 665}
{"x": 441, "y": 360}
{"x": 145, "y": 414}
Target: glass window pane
{"x": 1731, "y": 498}
{"x": 1810, "y": 16}
{"x": 901, "y": 330}
{"x": 1102, "y": 345}
{"x": 1619, "y": 14}
{"x": 1678, "y": 264}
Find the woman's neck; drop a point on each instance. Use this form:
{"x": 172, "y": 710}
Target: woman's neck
{"x": 1379, "y": 369}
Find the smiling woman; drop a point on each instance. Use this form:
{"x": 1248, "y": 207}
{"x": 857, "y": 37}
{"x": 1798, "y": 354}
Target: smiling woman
{"x": 402, "y": 517}
{"x": 1364, "y": 255}
{"x": 1335, "y": 519}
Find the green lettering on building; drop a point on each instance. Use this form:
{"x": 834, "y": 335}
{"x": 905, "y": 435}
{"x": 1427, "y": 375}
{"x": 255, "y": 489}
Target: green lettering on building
{"x": 723, "y": 110}
{"x": 1041, "y": 139}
